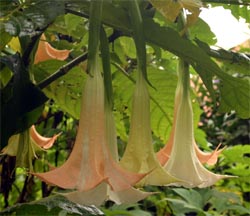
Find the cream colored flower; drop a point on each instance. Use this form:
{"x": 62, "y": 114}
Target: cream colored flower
{"x": 139, "y": 155}
{"x": 183, "y": 162}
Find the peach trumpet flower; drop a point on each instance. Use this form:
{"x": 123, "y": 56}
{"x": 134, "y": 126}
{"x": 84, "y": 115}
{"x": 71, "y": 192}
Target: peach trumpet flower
{"x": 183, "y": 162}
{"x": 139, "y": 155}
{"x": 25, "y": 145}
{"x": 91, "y": 171}
{"x": 45, "y": 52}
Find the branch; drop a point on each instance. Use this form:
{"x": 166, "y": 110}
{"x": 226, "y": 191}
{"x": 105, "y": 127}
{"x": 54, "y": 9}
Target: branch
{"x": 232, "y": 2}
{"x": 67, "y": 67}
{"x": 224, "y": 55}
{"x": 62, "y": 70}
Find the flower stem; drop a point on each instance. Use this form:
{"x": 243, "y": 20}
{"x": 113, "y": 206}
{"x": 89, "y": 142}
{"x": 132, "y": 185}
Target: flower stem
{"x": 138, "y": 36}
{"x": 104, "y": 45}
{"x": 183, "y": 66}
{"x": 94, "y": 33}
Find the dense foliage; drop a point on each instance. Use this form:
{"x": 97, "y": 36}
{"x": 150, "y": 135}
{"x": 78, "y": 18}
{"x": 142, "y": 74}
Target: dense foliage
{"x": 47, "y": 93}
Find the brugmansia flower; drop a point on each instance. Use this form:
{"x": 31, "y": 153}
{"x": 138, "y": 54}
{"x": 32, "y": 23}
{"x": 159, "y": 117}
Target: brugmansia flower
{"x": 25, "y": 145}
{"x": 139, "y": 155}
{"x": 164, "y": 154}
{"x": 90, "y": 168}
{"x": 45, "y": 52}
{"x": 183, "y": 162}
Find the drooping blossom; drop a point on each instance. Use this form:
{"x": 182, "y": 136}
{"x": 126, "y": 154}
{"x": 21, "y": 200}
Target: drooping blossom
{"x": 90, "y": 169}
{"x": 139, "y": 155}
{"x": 25, "y": 145}
{"x": 45, "y": 52}
{"x": 163, "y": 155}
{"x": 183, "y": 162}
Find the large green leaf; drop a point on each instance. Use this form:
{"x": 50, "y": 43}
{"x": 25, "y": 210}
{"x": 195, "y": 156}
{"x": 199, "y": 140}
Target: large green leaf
{"x": 191, "y": 196}
{"x": 215, "y": 202}
{"x": 205, "y": 35}
{"x": 235, "y": 94}
{"x": 30, "y": 17}
{"x": 54, "y": 205}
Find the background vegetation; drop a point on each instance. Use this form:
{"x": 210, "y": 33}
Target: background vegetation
{"x": 48, "y": 95}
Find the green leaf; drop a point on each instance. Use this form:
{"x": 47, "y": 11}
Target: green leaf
{"x": 162, "y": 101}
{"x": 205, "y": 35}
{"x": 72, "y": 22}
{"x": 191, "y": 196}
{"x": 170, "y": 40}
{"x": 235, "y": 94}
{"x": 65, "y": 91}
{"x": 226, "y": 201}
{"x": 162, "y": 98}
{"x": 54, "y": 205}
{"x": 237, "y": 154}
{"x": 128, "y": 47}
{"x": 180, "y": 207}
{"x": 32, "y": 19}
{"x": 5, "y": 37}
{"x": 5, "y": 76}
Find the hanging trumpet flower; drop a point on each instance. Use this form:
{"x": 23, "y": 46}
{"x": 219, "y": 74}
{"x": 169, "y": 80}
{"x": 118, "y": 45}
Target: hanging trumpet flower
{"x": 164, "y": 154}
{"x": 90, "y": 162}
{"x": 183, "y": 162}
{"x": 90, "y": 169}
{"x": 139, "y": 155}
{"x": 25, "y": 145}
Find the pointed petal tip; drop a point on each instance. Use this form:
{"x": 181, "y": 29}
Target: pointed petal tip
{"x": 214, "y": 155}
{"x": 128, "y": 196}
{"x": 95, "y": 196}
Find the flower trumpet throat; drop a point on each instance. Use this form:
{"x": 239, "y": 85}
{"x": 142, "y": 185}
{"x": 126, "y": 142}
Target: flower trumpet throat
{"x": 183, "y": 162}
{"x": 139, "y": 155}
